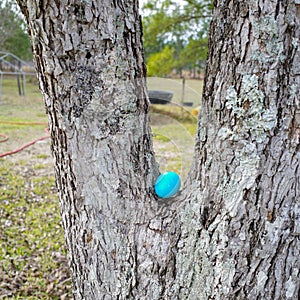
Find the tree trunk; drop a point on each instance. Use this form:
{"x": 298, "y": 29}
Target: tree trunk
{"x": 233, "y": 232}
{"x": 247, "y": 155}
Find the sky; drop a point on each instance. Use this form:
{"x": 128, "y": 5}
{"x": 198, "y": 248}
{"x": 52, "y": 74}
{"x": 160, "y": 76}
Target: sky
{"x": 142, "y": 2}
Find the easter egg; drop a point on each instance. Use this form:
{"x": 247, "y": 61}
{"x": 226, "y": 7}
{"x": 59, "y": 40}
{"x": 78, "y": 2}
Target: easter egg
{"x": 167, "y": 185}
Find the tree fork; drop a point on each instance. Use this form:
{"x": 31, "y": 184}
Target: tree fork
{"x": 233, "y": 232}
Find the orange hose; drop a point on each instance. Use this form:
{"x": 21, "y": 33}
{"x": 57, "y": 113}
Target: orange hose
{"x": 24, "y": 146}
{"x": 23, "y": 123}
{"x": 5, "y": 137}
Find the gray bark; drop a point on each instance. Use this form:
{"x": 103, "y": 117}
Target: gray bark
{"x": 233, "y": 232}
{"x": 247, "y": 157}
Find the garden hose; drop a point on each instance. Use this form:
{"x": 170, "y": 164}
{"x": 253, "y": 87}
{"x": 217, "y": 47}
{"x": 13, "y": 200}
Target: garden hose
{"x": 5, "y": 137}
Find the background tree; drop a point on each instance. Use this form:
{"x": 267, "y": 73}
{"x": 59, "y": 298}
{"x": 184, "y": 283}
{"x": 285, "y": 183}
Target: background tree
{"x": 179, "y": 26}
{"x": 13, "y": 35}
{"x": 189, "y": 61}
{"x": 162, "y": 63}
{"x": 233, "y": 232}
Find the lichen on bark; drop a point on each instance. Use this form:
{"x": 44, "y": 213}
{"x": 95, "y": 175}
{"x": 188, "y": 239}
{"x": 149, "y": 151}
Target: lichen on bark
{"x": 255, "y": 120}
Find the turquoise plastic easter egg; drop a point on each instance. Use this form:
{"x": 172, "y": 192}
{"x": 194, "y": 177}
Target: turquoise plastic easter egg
{"x": 167, "y": 185}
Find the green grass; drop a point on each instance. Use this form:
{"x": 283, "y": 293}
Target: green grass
{"x": 19, "y": 109}
{"x": 32, "y": 255}
{"x": 173, "y": 130}
{"x": 32, "y": 252}
{"x": 162, "y": 115}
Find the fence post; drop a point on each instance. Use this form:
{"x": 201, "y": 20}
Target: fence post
{"x": 1, "y": 78}
{"x": 182, "y": 95}
{"x": 24, "y": 84}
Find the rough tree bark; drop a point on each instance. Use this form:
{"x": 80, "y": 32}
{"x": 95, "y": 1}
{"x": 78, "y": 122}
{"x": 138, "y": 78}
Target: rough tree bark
{"x": 233, "y": 232}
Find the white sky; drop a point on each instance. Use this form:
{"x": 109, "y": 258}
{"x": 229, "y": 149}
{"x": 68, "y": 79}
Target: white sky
{"x": 142, "y": 2}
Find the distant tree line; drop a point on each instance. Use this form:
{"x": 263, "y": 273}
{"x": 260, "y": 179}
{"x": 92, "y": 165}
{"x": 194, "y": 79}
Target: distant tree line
{"x": 176, "y": 36}
{"x": 13, "y": 31}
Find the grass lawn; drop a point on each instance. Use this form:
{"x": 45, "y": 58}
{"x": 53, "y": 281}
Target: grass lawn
{"x": 33, "y": 262}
